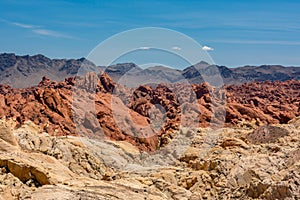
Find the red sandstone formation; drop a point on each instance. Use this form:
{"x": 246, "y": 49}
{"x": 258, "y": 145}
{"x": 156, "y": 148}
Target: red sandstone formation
{"x": 270, "y": 102}
{"x": 50, "y": 106}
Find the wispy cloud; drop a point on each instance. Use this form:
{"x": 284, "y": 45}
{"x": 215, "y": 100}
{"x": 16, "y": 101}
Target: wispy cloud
{"x": 176, "y": 48}
{"x": 37, "y": 29}
{"x": 271, "y": 42}
{"x": 207, "y": 48}
{"x": 51, "y": 33}
{"x": 18, "y": 24}
{"x": 22, "y": 25}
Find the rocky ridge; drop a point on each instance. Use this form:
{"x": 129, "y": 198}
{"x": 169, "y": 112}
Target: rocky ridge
{"x": 51, "y": 105}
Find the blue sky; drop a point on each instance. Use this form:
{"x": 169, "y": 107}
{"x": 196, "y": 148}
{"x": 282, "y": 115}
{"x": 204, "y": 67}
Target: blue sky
{"x": 240, "y": 32}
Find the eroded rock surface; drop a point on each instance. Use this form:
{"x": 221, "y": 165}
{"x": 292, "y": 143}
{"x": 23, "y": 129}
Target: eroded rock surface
{"x": 90, "y": 138}
{"x": 147, "y": 117}
{"x": 218, "y": 164}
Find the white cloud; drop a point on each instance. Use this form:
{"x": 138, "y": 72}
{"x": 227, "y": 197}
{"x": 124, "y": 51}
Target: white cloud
{"x": 37, "y": 29}
{"x": 207, "y": 48}
{"x": 22, "y": 25}
{"x": 176, "y": 48}
{"x": 145, "y": 48}
{"x": 50, "y": 33}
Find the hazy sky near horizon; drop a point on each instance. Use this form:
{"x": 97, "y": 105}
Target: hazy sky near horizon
{"x": 248, "y": 32}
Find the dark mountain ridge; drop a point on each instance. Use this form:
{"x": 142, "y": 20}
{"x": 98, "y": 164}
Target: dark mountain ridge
{"x": 25, "y": 71}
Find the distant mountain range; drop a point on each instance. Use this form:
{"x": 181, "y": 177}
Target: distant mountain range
{"x": 25, "y": 71}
